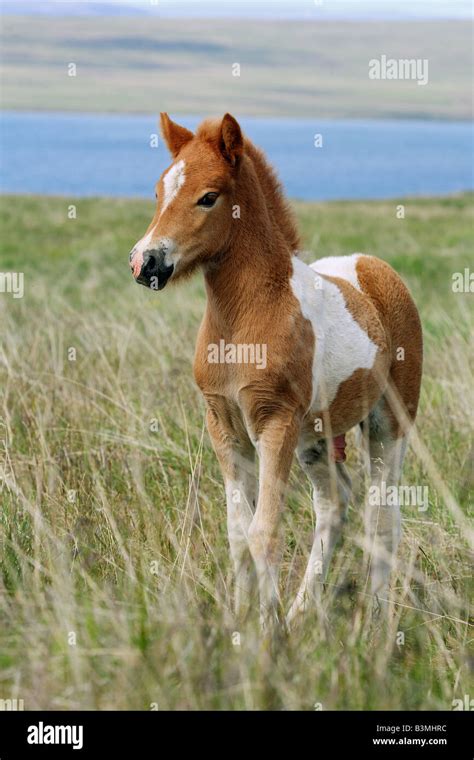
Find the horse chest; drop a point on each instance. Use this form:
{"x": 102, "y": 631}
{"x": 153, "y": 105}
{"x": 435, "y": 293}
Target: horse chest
{"x": 217, "y": 371}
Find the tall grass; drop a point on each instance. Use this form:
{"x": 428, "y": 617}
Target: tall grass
{"x": 116, "y": 589}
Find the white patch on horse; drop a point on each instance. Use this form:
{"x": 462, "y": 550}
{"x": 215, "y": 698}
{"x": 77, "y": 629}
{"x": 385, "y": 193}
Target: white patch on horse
{"x": 342, "y": 346}
{"x": 172, "y": 183}
{"x": 168, "y": 247}
{"x": 339, "y": 266}
{"x": 139, "y": 249}
{"x": 144, "y": 243}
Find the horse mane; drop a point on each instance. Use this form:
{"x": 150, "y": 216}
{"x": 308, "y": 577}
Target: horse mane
{"x": 279, "y": 209}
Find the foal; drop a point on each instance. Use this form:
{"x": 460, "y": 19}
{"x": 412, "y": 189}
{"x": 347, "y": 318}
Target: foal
{"x": 341, "y": 341}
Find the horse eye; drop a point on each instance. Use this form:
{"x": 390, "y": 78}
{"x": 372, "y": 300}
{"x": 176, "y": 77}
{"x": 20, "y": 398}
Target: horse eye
{"x": 208, "y": 200}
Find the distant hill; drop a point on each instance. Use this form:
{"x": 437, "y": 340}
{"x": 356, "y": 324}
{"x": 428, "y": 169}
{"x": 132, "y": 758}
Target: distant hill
{"x": 294, "y": 68}
{"x": 90, "y": 8}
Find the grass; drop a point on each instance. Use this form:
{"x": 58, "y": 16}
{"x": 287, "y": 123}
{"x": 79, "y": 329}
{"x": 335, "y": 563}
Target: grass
{"x": 115, "y": 585}
{"x": 317, "y": 69}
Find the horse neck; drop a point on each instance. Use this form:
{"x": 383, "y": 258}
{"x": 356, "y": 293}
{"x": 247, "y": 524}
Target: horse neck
{"x": 255, "y": 269}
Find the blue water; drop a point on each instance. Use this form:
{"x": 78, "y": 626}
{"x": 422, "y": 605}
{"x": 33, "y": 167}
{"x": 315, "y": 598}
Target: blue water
{"x": 90, "y": 154}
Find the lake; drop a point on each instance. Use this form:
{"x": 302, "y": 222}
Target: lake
{"x": 111, "y": 155}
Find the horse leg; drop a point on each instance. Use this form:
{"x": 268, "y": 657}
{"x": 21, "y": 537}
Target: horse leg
{"x": 237, "y": 461}
{"x": 331, "y": 492}
{"x": 387, "y": 447}
{"x": 276, "y": 445}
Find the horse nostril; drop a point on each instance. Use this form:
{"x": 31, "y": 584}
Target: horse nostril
{"x": 150, "y": 265}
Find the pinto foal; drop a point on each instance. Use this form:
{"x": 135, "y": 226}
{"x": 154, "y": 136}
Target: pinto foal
{"x": 343, "y": 347}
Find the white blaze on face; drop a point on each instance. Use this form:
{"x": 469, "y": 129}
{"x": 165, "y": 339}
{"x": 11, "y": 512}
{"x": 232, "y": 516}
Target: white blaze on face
{"x": 139, "y": 250}
{"x": 172, "y": 183}
{"x": 342, "y": 346}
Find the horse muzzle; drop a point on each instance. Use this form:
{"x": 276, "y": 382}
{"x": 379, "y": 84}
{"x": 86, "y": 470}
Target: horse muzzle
{"x": 152, "y": 271}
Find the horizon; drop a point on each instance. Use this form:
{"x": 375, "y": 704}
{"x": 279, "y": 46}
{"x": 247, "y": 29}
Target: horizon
{"x": 309, "y": 10}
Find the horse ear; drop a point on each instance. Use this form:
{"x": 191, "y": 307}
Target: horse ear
{"x": 174, "y": 135}
{"x": 231, "y": 141}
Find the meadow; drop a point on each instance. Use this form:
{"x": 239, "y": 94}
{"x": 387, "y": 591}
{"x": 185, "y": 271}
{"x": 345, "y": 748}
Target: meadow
{"x": 317, "y": 69}
{"x": 115, "y": 583}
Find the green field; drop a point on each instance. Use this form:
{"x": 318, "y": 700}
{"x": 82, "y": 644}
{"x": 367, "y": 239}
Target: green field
{"x": 313, "y": 69}
{"x": 115, "y": 584}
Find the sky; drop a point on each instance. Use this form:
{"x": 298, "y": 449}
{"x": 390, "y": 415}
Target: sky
{"x": 289, "y": 9}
